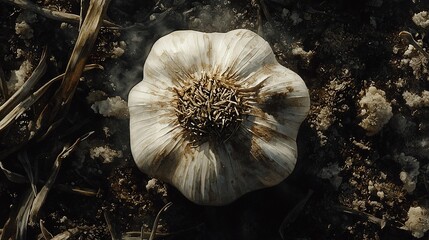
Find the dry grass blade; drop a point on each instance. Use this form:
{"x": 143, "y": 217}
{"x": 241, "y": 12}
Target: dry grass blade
{"x": 16, "y": 225}
{"x": 265, "y": 11}
{"x": 31, "y": 99}
{"x": 11, "y": 176}
{"x": 410, "y": 40}
{"x": 110, "y": 226}
{"x": 66, "y": 234}
{"x": 83, "y": 10}
{"x": 144, "y": 234}
{"x": 41, "y": 196}
{"x": 45, "y": 233}
{"x": 26, "y": 88}
{"x": 55, "y": 15}
{"x": 23, "y": 158}
{"x": 59, "y": 104}
{"x": 23, "y": 106}
{"x": 155, "y": 223}
{"x": 134, "y": 235}
{"x": 364, "y": 215}
{"x": 3, "y": 85}
{"x": 80, "y": 191}
{"x": 23, "y": 213}
{"x": 294, "y": 213}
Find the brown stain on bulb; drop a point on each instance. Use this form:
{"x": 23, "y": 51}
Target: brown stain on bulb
{"x": 262, "y": 132}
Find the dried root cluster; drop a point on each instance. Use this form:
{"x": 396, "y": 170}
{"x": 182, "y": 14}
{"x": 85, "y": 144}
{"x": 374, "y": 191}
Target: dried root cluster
{"x": 211, "y": 107}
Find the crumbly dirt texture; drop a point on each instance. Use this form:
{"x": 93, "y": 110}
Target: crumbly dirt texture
{"x": 363, "y": 150}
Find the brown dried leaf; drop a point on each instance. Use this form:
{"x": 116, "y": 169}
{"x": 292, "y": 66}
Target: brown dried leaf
{"x": 41, "y": 196}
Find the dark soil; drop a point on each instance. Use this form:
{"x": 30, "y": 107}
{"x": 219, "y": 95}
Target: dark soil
{"x": 353, "y": 45}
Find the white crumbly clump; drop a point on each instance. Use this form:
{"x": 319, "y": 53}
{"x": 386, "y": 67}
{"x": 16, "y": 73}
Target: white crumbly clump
{"x": 380, "y": 194}
{"x": 299, "y": 51}
{"x": 24, "y": 30}
{"x": 18, "y": 77}
{"x": 295, "y": 18}
{"x": 375, "y": 110}
{"x": 330, "y": 173}
{"x": 359, "y": 205}
{"x": 305, "y": 55}
{"x": 20, "y": 53}
{"x": 414, "y": 100}
{"x": 118, "y": 49}
{"x": 418, "y": 221}
{"x": 95, "y": 96}
{"x": 416, "y": 60}
{"x": 421, "y": 19}
{"x": 410, "y": 171}
{"x": 157, "y": 186}
{"x": 22, "y": 25}
{"x": 105, "y": 152}
{"x": 112, "y": 107}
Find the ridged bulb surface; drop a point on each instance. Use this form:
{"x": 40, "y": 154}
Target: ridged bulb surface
{"x": 216, "y": 115}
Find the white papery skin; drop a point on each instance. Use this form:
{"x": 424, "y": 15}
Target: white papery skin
{"x": 261, "y": 153}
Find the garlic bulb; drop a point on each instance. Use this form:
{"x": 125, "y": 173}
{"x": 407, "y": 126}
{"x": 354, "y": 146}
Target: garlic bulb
{"x": 216, "y": 115}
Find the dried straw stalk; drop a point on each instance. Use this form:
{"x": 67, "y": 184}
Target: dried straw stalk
{"x": 59, "y": 104}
